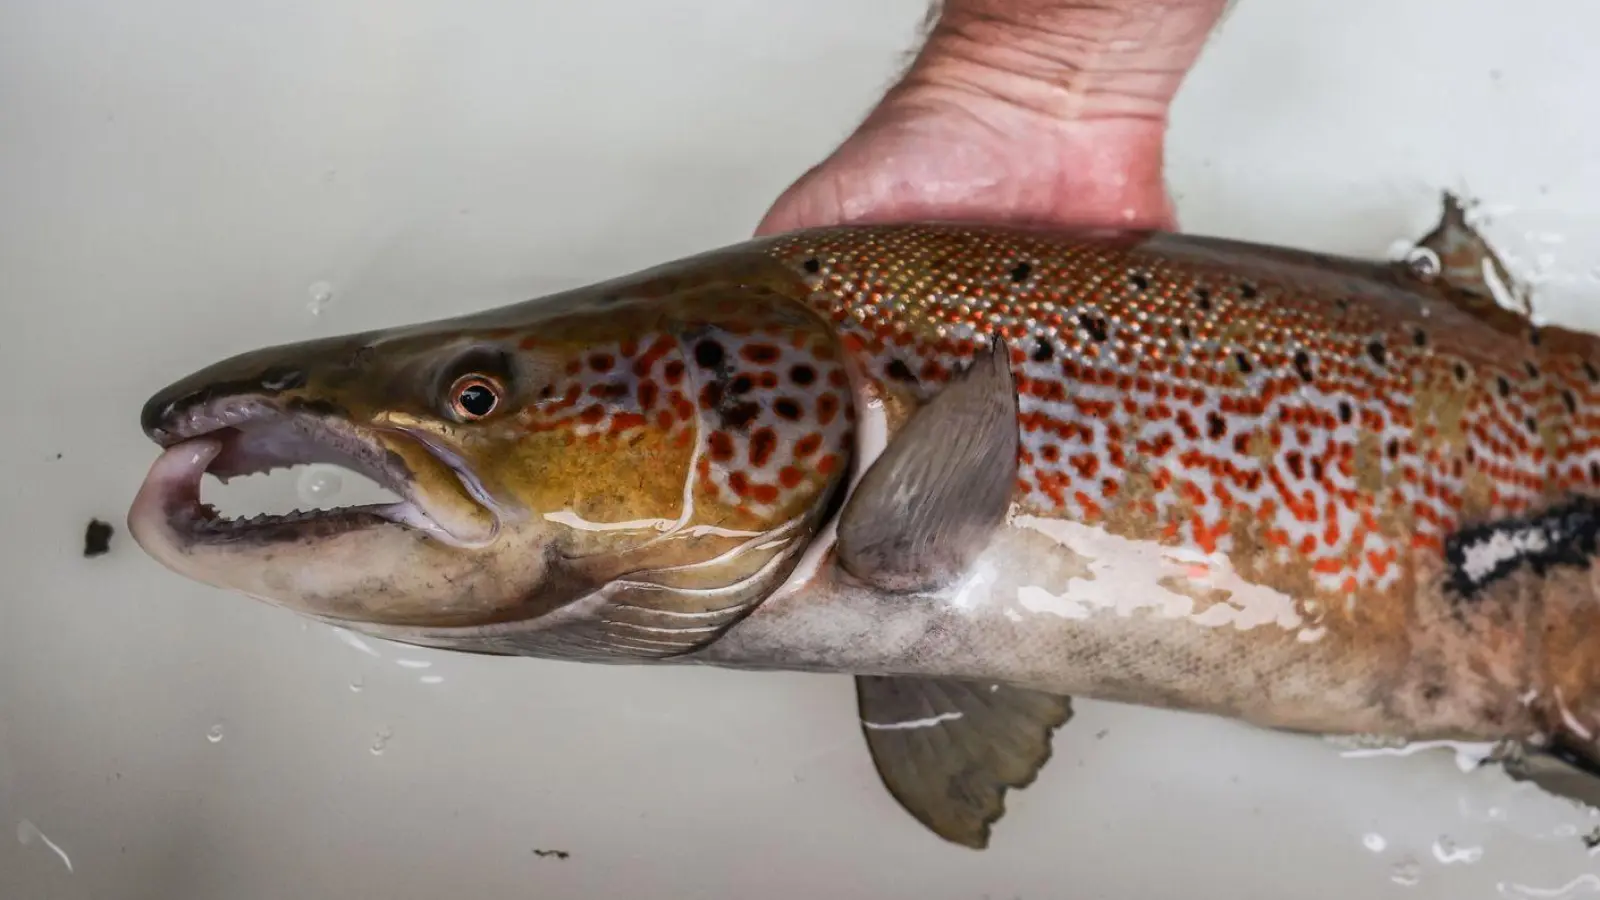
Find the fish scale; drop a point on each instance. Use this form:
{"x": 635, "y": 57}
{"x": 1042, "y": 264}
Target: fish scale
{"x": 1225, "y": 386}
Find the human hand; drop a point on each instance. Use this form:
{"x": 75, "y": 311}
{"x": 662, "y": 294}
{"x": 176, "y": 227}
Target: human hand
{"x": 1049, "y": 112}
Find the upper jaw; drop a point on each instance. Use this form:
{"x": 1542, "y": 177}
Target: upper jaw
{"x": 236, "y": 435}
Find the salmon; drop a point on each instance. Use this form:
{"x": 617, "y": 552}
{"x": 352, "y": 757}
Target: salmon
{"x": 981, "y": 469}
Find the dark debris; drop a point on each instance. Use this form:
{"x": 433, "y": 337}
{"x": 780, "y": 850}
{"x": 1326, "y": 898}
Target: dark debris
{"x": 558, "y": 854}
{"x": 97, "y": 538}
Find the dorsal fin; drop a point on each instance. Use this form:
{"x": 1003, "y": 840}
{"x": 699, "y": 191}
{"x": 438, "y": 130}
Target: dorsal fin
{"x": 1456, "y": 257}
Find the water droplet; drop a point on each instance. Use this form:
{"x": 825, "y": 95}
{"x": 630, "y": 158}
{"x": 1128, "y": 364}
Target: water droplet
{"x": 357, "y": 685}
{"x": 432, "y": 679}
{"x": 1374, "y": 842}
{"x": 1447, "y": 851}
{"x": 380, "y": 741}
{"x": 214, "y": 733}
{"x": 319, "y": 485}
{"x": 1424, "y": 263}
{"x": 1406, "y": 873}
{"x": 321, "y": 294}
{"x": 413, "y": 663}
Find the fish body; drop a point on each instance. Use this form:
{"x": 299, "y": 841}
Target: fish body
{"x": 982, "y": 469}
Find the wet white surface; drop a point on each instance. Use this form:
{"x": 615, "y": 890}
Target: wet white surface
{"x": 181, "y": 180}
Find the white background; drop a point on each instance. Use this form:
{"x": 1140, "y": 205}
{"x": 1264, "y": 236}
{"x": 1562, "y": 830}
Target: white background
{"x": 177, "y": 175}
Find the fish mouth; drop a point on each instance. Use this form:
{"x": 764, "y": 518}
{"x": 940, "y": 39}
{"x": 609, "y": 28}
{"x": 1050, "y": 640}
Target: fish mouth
{"x": 231, "y": 437}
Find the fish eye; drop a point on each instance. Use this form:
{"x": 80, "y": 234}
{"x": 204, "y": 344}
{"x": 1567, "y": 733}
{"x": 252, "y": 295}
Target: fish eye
{"x": 474, "y": 397}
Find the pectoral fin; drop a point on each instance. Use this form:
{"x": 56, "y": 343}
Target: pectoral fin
{"x": 930, "y": 503}
{"x": 949, "y": 750}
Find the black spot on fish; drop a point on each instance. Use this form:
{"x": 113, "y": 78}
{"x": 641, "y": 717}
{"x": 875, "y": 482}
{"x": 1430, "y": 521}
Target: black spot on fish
{"x": 1302, "y": 365}
{"x": 1432, "y": 692}
{"x": 741, "y": 385}
{"x": 1139, "y": 281}
{"x": 709, "y": 354}
{"x": 1248, "y": 291}
{"x": 1245, "y": 365}
{"x": 740, "y": 415}
{"x": 1563, "y": 535}
{"x": 1570, "y": 400}
{"x": 1096, "y": 327}
{"x": 1419, "y": 337}
{"x": 1594, "y": 472}
{"x": 899, "y": 371}
{"x": 1504, "y": 385}
{"x": 1021, "y": 272}
{"x": 1216, "y": 426}
{"x": 1378, "y": 352}
{"x": 802, "y": 374}
{"x": 1184, "y": 332}
{"x": 1316, "y": 469}
{"x": 1535, "y": 335}
{"x": 97, "y": 538}
{"x": 1591, "y": 371}
{"x": 1472, "y": 454}
{"x": 1202, "y": 297}
{"x": 1393, "y": 449}
{"x": 1461, "y": 372}
{"x": 1043, "y": 351}
{"x": 813, "y": 265}
{"x": 786, "y": 408}
{"x": 1533, "y": 370}
{"x": 1533, "y": 426}
{"x": 1345, "y": 412}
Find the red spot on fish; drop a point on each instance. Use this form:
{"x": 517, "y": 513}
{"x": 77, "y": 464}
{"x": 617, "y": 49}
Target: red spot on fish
{"x": 762, "y": 444}
{"x": 721, "y": 446}
{"x": 790, "y": 477}
{"x": 827, "y": 463}
{"x": 601, "y": 362}
{"x": 760, "y": 354}
{"x": 764, "y": 493}
{"x": 827, "y": 408}
{"x": 807, "y": 445}
{"x": 647, "y": 394}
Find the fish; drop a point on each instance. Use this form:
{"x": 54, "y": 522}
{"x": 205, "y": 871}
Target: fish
{"x": 984, "y": 470}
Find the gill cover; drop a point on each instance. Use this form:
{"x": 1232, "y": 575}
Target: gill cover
{"x": 640, "y": 461}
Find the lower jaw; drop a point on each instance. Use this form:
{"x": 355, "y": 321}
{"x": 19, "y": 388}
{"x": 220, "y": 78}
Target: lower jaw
{"x": 168, "y": 518}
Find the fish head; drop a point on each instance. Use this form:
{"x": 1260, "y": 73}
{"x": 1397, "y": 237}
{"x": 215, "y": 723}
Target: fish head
{"x": 618, "y": 471}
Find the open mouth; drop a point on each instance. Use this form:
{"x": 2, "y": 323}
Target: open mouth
{"x": 231, "y": 437}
